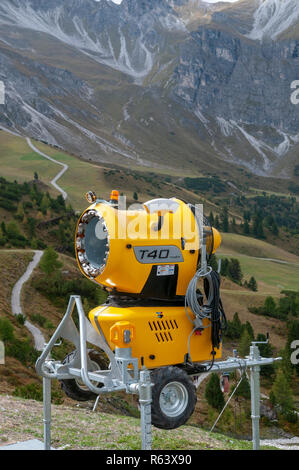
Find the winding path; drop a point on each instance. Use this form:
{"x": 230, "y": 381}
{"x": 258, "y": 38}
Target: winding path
{"x": 282, "y": 444}
{"x": 16, "y": 307}
{"x": 59, "y": 175}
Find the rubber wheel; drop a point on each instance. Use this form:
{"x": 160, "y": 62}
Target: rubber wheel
{"x": 74, "y": 388}
{"x": 173, "y": 397}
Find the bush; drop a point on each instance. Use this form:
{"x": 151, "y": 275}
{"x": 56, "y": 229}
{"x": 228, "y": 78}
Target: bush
{"x": 20, "y": 319}
{"x": 31, "y": 391}
{"x": 58, "y": 290}
{"x": 34, "y": 391}
{"x": 6, "y": 330}
{"x": 291, "y": 417}
{"x": 22, "y": 351}
{"x": 39, "y": 319}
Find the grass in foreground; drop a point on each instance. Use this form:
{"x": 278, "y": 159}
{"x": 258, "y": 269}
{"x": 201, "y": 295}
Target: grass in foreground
{"x": 22, "y": 420}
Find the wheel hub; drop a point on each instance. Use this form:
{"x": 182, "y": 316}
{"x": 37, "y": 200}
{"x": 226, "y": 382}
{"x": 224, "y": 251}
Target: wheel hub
{"x": 173, "y": 399}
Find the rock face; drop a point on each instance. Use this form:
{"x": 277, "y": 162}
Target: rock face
{"x": 112, "y": 82}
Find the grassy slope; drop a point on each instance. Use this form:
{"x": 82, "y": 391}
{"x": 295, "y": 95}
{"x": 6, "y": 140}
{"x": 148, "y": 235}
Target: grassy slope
{"x": 271, "y": 277}
{"x": 17, "y": 161}
{"x": 255, "y": 257}
{"x": 101, "y": 430}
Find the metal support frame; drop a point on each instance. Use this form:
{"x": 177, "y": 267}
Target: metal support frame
{"x": 47, "y": 413}
{"x": 122, "y": 377}
{"x": 123, "y": 373}
{"x": 255, "y": 397}
{"x": 145, "y": 400}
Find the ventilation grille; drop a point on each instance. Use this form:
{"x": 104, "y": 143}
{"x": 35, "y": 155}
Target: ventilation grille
{"x": 163, "y": 329}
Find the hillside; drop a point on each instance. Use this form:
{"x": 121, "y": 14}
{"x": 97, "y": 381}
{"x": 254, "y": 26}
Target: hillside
{"x": 46, "y": 313}
{"x": 35, "y": 215}
{"x": 275, "y": 210}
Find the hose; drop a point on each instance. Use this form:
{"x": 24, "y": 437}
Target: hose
{"x": 212, "y": 310}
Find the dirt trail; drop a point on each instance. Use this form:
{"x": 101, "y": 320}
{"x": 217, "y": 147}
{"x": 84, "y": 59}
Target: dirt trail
{"x": 59, "y": 175}
{"x": 16, "y": 306}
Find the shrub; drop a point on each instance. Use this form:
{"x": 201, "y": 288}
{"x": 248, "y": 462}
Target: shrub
{"x": 6, "y": 330}
{"x": 20, "y": 319}
{"x": 34, "y": 391}
{"x": 22, "y": 351}
{"x": 39, "y": 319}
{"x": 31, "y": 391}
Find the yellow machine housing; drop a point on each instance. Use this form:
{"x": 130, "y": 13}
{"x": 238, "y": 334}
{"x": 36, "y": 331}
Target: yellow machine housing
{"x": 125, "y": 250}
{"x": 149, "y": 256}
{"x": 160, "y": 334}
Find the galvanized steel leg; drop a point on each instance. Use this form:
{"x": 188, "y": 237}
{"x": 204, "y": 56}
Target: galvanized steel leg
{"x": 145, "y": 400}
{"x": 255, "y": 399}
{"x": 47, "y": 413}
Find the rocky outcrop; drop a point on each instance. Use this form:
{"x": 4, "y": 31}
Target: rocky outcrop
{"x": 103, "y": 80}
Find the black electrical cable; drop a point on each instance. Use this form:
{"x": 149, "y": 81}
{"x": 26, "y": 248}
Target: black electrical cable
{"x": 218, "y": 317}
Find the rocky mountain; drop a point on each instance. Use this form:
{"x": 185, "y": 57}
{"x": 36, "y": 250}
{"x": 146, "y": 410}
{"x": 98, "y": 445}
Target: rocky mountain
{"x": 186, "y": 84}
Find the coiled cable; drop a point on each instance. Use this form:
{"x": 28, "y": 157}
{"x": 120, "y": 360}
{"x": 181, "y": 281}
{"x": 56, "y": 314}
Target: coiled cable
{"x": 212, "y": 309}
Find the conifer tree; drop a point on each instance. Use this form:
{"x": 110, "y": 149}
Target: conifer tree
{"x": 252, "y": 284}
{"x": 244, "y": 344}
{"x": 281, "y": 392}
{"x": 213, "y": 393}
{"x": 49, "y": 262}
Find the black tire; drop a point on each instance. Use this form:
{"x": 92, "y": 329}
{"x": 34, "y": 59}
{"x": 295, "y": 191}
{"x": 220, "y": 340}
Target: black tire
{"x": 71, "y": 387}
{"x": 176, "y": 385}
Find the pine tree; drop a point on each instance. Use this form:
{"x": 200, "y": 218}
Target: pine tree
{"x": 20, "y": 212}
{"x": 234, "y": 270}
{"x": 269, "y": 305}
{"x": 211, "y": 219}
{"x": 286, "y": 364}
{"x": 30, "y": 226}
{"x": 266, "y": 350}
{"x": 224, "y": 220}
{"x": 249, "y": 328}
{"x": 3, "y": 228}
{"x": 237, "y": 325}
{"x": 246, "y": 228}
{"x": 213, "y": 393}
{"x": 260, "y": 230}
{"x": 12, "y": 230}
{"x": 244, "y": 344}
{"x": 244, "y": 388}
{"x": 135, "y": 196}
{"x": 252, "y": 284}
{"x": 282, "y": 392}
{"x": 45, "y": 204}
{"x": 224, "y": 267}
{"x": 49, "y": 262}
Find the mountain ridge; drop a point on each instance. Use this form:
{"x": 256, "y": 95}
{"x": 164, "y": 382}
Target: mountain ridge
{"x": 187, "y": 72}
